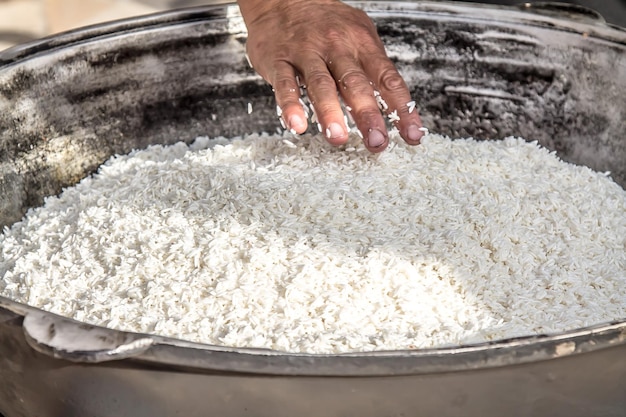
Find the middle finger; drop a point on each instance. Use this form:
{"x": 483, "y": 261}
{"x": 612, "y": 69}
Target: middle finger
{"x": 359, "y": 95}
{"x": 322, "y": 91}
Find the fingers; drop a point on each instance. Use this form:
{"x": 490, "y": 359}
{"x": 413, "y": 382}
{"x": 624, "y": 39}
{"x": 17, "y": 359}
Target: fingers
{"x": 401, "y": 108}
{"x": 358, "y": 94}
{"x": 287, "y": 92}
{"x": 322, "y": 91}
{"x": 364, "y": 99}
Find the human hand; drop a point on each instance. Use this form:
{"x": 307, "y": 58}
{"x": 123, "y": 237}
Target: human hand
{"x": 329, "y": 48}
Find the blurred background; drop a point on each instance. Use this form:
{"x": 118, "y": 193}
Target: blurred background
{"x": 25, "y": 20}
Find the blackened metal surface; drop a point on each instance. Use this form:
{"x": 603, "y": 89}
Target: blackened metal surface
{"x": 36, "y": 384}
{"x": 66, "y": 111}
{"x": 481, "y": 72}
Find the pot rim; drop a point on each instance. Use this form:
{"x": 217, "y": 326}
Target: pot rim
{"x": 552, "y": 15}
{"x": 74, "y": 341}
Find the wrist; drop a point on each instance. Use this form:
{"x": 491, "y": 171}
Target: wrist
{"x": 253, "y": 9}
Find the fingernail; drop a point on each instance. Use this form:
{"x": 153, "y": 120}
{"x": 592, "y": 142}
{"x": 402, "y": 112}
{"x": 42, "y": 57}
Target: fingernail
{"x": 295, "y": 122}
{"x": 414, "y": 133}
{"x": 375, "y": 138}
{"x": 334, "y": 131}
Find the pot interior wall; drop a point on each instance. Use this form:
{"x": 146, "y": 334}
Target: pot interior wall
{"x": 66, "y": 107}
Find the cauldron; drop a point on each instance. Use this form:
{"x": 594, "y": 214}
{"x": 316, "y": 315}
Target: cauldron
{"x": 550, "y": 72}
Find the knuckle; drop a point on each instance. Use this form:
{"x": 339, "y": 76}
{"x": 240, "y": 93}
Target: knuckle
{"x": 367, "y": 114}
{"x": 326, "y": 110}
{"x": 283, "y": 83}
{"x": 335, "y": 36}
{"x": 391, "y": 80}
{"x": 319, "y": 79}
{"x": 353, "y": 79}
{"x": 321, "y": 91}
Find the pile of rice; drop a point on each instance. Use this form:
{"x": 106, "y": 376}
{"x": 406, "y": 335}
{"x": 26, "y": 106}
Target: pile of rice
{"x": 289, "y": 244}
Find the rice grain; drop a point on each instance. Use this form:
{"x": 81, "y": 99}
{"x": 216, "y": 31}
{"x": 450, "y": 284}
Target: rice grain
{"x": 297, "y": 246}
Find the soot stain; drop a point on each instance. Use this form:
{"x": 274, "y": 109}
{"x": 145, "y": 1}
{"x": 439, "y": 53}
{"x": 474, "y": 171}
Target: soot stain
{"x": 132, "y": 53}
{"x": 98, "y": 92}
{"x": 23, "y": 80}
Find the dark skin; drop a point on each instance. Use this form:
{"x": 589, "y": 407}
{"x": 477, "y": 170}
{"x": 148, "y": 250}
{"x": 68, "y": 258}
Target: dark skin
{"x": 332, "y": 49}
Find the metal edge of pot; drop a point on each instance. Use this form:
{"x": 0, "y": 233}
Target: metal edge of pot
{"x": 554, "y": 15}
{"x": 215, "y": 9}
{"x": 74, "y": 341}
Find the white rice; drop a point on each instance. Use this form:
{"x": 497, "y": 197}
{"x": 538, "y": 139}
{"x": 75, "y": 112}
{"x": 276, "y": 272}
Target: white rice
{"x": 290, "y": 244}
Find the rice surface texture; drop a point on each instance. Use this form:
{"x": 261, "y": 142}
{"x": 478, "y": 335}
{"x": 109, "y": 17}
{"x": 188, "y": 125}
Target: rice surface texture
{"x": 290, "y": 244}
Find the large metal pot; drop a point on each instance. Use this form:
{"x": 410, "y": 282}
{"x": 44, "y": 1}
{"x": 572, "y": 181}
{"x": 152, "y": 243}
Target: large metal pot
{"x": 548, "y": 73}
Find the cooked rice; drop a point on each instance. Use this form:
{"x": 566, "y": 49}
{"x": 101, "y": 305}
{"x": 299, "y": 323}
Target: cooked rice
{"x": 290, "y": 244}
